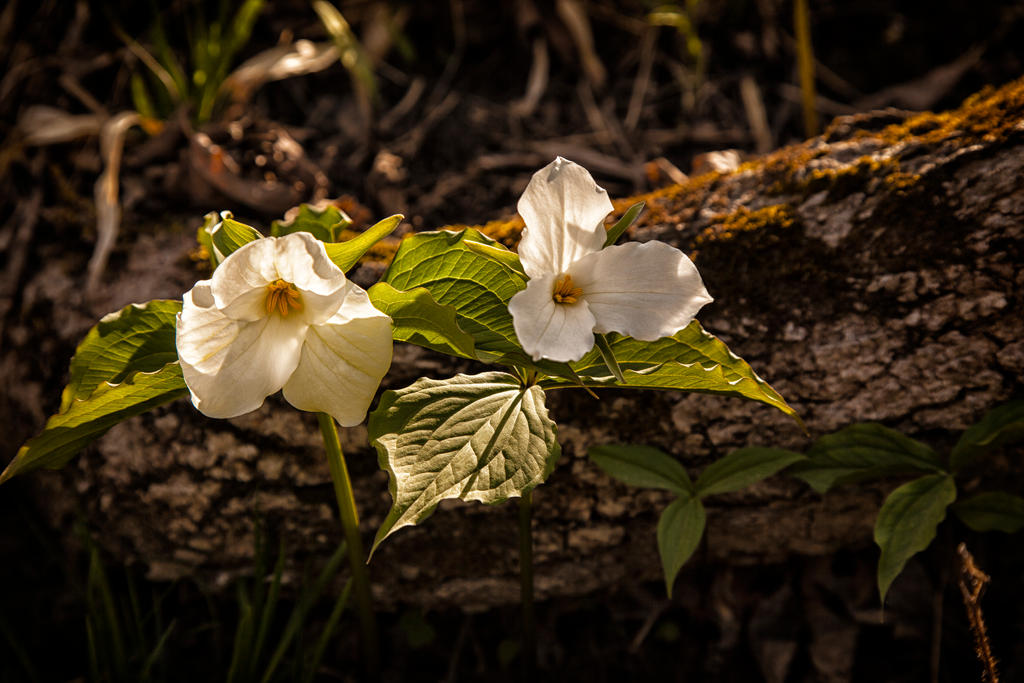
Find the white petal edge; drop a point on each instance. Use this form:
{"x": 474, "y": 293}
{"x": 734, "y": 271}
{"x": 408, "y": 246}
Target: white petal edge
{"x": 558, "y": 332}
{"x": 231, "y": 366}
{"x": 564, "y": 210}
{"x": 647, "y": 291}
{"x": 342, "y": 364}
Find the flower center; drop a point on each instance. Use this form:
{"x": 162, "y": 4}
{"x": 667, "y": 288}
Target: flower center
{"x": 283, "y": 298}
{"x": 564, "y": 292}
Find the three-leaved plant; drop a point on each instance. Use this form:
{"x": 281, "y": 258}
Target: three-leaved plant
{"x": 570, "y": 310}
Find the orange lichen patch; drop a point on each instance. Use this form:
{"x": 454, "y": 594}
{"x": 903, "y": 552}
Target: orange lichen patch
{"x": 358, "y": 213}
{"x": 805, "y": 170}
{"x": 504, "y": 230}
{"x": 672, "y": 204}
{"x": 725, "y": 227}
{"x": 901, "y": 183}
{"x": 200, "y": 257}
{"x": 986, "y": 116}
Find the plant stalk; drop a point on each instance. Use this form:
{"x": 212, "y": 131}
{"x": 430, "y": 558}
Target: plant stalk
{"x": 805, "y": 58}
{"x": 529, "y": 642}
{"x": 356, "y": 556}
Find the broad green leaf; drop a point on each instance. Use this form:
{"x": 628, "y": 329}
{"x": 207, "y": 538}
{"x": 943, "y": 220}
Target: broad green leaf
{"x": 473, "y": 437}
{"x": 346, "y": 254}
{"x": 230, "y": 235}
{"x": 1000, "y": 426}
{"x": 690, "y": 360}
{"x": 680, "y": 529}
{"x": 86, "y": 420}
{"x": 743, "y": 467}
{"x": 643, "y": 466}
{"x": 455, "y": 275}
{"x": 621, "y": 225}
{"x": 992, "y": 511}
{"x": 907, "y": 523}
{"x": 477, "y": 287}
{"x": 138, "y": 338}
{"x": 324, "y": 224}
{"x": 418, "y": 319}
{"x": 864, "y": 451}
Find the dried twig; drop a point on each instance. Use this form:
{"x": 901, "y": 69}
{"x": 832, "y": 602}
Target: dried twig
{"x": 537, "y": 82}
{"x": 17, "y": 237}
{"x": 105, "y": 191}
{"x": 753, "y": 104}
{"x": 405, "y": 105}
{"x": 643, "y": 77}
{"x": 574, "y": 16}
{"x": 972, "y": 583}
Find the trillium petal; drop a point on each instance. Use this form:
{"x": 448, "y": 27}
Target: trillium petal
{"x": 343, "y": 361}
{"x": 239, "y": 284}
{"x": 559, "y": 332}
{"x": 646, "y": 291}
{"x": 231, "y": 366}
{"x": 302, "y": 260}
{"x": 564, "y": 210}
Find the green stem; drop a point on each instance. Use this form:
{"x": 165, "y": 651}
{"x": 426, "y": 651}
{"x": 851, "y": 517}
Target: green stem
{"x": 350, "y": 525}
{"x": 529, "y": 644}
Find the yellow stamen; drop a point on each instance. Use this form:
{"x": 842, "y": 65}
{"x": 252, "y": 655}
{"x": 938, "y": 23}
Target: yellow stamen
{"x": 283, "y": 298}
{"x": 564, "y": 292}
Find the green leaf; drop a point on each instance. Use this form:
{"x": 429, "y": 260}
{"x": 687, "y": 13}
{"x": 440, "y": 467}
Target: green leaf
{"x": 680, "y": 529}
{"x": 230, "y": 235}
{"x": 418, "y": 319}
{"x": 608, "y": 356}
{"x": 907, "y": 523}
{"x": 690, "y": 360}
{"x": 325, "y": 224}
{"x": 499, "y": 252}
{"x": 1000, "y": 426}
{"x": 347, "y": 254}
{"x": 86, "y": 420}
{"x": 473, "y": 437}
{"x": 992, "y": 511}
{"x": 643, "y": 466}
{"x": 864, "y": 451}
{"x": 743, "y": 467}
{"x": 628, "y": 218}
{"x": 477, "y": 287}
{"x": 205, "y": 238}
{"x": 138, "y": 338}
{"x": 351, "y": 53}
{"x": 140, "y": 97}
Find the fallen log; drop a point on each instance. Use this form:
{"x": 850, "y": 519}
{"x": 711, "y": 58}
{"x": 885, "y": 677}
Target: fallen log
{"x": 870, "y": 274}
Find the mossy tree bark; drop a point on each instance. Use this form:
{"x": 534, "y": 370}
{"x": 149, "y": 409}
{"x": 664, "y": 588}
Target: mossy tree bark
{"x": 873, "y": 273}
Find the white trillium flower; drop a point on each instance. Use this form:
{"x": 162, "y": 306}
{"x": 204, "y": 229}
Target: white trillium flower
{"x": 577, "y": 287}
{"x": 278, "y": 314}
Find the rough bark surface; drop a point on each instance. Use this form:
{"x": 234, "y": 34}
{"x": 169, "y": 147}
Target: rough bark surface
{"x": 873, "y": 273}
